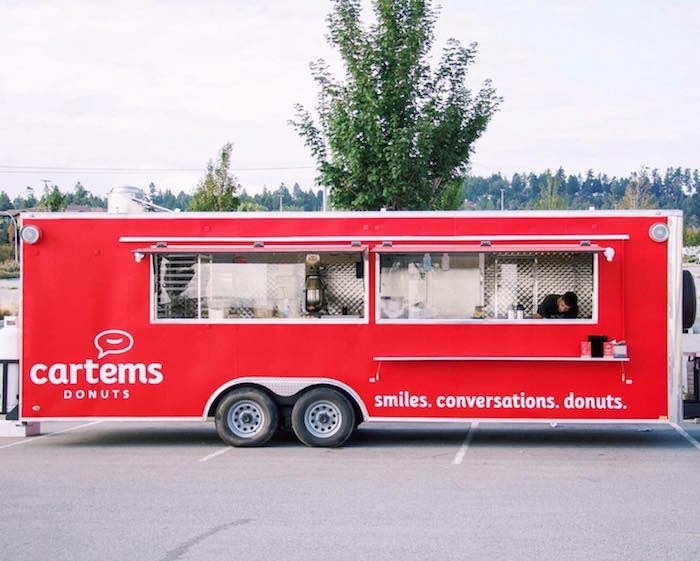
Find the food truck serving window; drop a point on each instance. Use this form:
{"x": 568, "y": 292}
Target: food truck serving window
{"x": 483, "y": 284}
{"x": 259, "y": 285}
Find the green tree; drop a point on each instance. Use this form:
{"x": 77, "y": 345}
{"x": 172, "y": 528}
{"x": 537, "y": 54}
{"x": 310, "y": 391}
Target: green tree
{"x": 79, "y": 196}
{"x": 53, "y": 200}
{"x": 393, "y": 133}
{"x": 168, "y": 199}
{"x": 691, "y": 236}
{"x": 28, "y": 202}
{"x": 250, "y": 206}
{"x": 182, "y": 200}
{"x": 217, "y": 191}
{"x": 5, "y": 202}
{"x": 638, "y": 191}
{"x": 550, "y": 198}
{"x": 6, "y": 225}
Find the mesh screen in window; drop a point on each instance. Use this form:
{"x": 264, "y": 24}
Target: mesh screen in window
{"x": 454, "y": 286}
{"x": 512, "y": 279}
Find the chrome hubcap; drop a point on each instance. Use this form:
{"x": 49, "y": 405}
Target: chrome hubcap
{"x": 323, "y": 419}
{"x": 245, "y": 419}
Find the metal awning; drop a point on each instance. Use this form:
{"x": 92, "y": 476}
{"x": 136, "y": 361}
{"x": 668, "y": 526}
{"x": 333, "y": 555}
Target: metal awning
{"x": 250, "y": 248}
{"x": 583, "y": 247}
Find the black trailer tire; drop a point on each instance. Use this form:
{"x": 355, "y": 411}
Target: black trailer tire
{"x": 246, "y": 417}
{"x": 323, "y": 417}
{"x": 689, "y": 300}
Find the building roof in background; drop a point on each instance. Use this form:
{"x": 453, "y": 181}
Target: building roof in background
{"x": 70, "y": 208}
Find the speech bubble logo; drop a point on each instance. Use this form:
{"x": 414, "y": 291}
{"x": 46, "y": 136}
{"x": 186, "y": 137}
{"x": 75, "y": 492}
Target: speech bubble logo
{"x": 113, "y": 342}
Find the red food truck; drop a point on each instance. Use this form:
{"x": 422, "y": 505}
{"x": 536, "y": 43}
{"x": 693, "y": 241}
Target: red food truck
{"x": 321, "y": 321}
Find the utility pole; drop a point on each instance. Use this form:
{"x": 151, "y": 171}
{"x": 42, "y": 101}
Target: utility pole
{"x": 502, "y": 207}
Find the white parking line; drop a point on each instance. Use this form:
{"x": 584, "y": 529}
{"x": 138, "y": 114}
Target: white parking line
{"x": 685, "y": 435}
{"x": 215, "y": 454}
{"x": 35, "y": 438}
{"x": 459, "y": 456}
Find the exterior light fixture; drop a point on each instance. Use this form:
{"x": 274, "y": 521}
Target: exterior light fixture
{"x": 659, "y": 232}
{"x": 30, "y": 234}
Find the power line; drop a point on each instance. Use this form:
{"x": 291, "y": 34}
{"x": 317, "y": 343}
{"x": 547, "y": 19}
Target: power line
{"x": 6, "y": 169}
{"x": 68, "y": 169}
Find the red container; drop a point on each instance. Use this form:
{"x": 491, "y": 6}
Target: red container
{"x": 586, "y": 349}
{"x": 608, "y": 350}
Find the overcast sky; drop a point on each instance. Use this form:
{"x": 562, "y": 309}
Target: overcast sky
{"x": 129, "y": 92}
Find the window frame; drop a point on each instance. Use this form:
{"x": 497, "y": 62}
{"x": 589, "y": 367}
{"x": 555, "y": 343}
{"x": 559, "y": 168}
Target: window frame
{"x": 481, "y": 250}
{"x": 154, "y": 251}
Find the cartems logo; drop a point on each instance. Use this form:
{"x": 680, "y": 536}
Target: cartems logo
{"x": 107, "y": 375}
{"x": 113, "y": 342}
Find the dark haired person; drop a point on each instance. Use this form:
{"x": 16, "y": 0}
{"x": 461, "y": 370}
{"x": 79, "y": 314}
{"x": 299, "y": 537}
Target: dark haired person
{"x": 564, "y": 306}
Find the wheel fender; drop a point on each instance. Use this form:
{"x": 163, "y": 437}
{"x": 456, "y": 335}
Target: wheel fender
{"x": 284, "y": 387}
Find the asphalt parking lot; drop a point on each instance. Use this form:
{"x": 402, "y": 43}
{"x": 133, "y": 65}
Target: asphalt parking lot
{"x": 172, "y": 492}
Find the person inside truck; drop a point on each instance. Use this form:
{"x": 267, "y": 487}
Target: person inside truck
{"x": 562, "y": 306}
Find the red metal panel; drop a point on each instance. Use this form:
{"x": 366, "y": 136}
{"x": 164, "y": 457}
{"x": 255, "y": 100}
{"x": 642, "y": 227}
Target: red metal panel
{"x": 82, "y": 289}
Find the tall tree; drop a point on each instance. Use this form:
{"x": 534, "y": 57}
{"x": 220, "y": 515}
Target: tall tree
{"x": 79, "y": 196}
{"x": 30, "y": 201}
{"x": 217, "y": 191}
{"x": 393, "y": 133}
{"x": 53, "y": 200}
{"x": 5, "y": 202}
{"x": 550, "y": 197}
{"x": 638, "y": 191}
